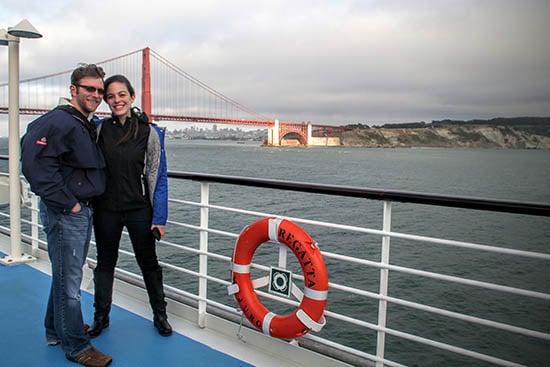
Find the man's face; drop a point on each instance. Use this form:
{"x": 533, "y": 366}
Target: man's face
{"x": 87, "y": 94}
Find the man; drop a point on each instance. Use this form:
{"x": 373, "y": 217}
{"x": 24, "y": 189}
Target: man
{"x": 62, "y": 162}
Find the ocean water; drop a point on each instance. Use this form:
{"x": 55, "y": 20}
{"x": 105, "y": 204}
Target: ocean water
{"x": 500, "y": 174}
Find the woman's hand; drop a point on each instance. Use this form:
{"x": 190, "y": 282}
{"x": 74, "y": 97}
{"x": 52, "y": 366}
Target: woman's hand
{"x": 162, "y": 229}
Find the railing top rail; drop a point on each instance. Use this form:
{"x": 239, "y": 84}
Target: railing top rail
{"x": 496, "y": 205}
{"x": 466, "y": 202}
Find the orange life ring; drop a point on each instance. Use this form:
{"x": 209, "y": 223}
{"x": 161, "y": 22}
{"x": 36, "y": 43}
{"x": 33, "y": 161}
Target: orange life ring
{"x": 309, "y": 314}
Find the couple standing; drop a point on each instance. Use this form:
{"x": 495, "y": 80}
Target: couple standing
{"x": 114, "y": 168}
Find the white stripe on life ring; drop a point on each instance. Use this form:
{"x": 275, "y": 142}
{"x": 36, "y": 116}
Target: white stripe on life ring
{"x": 315, "y": 295}
{"x": 266, "y": 323}
{"x": 241, "y": 269}
{"x": 309, "y": 322}
{"x": 273, "y": 229}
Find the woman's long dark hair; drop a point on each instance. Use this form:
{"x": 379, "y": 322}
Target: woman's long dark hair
{"x": 134, "y": 119}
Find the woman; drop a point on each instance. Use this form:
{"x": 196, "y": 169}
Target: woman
{"x": 136, "y": 197}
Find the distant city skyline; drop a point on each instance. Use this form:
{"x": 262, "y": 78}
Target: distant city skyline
{"x": 223, "y": 132}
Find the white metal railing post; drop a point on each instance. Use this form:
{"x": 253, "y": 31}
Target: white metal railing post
{"x": 384, "y": 275}
{"x": 203, "y": 259}
{"x": 34, "y": 224}
{"x": 14, "y": 151}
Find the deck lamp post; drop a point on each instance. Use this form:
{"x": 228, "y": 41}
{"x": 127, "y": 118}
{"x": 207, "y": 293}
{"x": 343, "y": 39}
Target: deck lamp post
{"x": 23, "y": 29}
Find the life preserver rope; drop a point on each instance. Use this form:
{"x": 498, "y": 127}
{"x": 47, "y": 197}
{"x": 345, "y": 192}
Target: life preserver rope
{"x": 309, "y": 314}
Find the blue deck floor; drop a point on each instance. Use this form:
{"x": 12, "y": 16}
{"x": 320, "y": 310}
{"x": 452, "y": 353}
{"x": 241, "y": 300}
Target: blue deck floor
{"x": 131, "y": 340}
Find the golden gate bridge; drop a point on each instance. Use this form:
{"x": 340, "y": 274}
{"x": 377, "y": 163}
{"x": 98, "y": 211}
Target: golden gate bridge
{"x": 167, "y": 93}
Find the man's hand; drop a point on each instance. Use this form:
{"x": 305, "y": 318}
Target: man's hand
{"x": 76, "y": 208}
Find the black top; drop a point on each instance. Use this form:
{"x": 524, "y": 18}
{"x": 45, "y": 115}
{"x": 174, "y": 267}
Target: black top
{"x": 126, "y": 188}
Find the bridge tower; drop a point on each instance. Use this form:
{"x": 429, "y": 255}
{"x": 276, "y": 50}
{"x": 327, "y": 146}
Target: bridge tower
{"x": 277, "y": 131}
{"x": 146, "y": 81}
{"x": 273, "y": 134}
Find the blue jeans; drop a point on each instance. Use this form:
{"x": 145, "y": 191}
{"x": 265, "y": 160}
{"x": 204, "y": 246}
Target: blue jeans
{"x": 68, "y": 236}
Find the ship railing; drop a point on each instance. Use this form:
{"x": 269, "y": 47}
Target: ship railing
{"x": 209, "y": 294}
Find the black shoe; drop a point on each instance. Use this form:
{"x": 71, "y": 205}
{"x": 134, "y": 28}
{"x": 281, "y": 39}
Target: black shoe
{"x": 162, "y": 325}
{"x": 100, "y": 322}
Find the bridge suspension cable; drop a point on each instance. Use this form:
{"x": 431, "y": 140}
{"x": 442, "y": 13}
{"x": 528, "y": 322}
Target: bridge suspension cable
{"x": 176, "y": 94}
{"x": 207, "y": 88}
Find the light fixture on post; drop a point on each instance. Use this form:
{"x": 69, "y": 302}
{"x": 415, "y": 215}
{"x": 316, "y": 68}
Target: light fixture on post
{"x": 3, "y": 37}
{"x": 23, "y": 29}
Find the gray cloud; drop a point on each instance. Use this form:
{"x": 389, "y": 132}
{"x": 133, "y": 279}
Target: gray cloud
{"x": 321, "y": 61}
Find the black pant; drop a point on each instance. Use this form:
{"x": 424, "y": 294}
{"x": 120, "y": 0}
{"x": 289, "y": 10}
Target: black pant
{"x": 108, "y": 227}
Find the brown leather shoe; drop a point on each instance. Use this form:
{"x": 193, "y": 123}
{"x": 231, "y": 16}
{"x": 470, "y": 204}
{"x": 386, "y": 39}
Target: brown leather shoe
{"x": 91, "y": 358}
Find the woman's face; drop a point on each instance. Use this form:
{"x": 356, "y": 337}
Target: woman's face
{"x": 119, "y": 99}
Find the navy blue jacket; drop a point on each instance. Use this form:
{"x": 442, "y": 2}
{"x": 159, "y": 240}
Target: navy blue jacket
{"x": 61, "y": 160}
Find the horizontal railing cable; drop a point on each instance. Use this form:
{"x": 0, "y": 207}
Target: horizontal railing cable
{"x": 496, "y": 249}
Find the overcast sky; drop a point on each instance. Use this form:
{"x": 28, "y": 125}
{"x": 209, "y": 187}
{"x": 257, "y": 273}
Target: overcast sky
{"x": 324, "y": 61}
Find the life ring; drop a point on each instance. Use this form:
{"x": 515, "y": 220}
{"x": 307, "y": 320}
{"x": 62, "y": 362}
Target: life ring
{"x": 309, "y": 314}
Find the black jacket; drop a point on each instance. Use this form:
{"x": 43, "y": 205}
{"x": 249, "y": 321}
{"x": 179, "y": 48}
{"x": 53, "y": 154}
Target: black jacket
{"x": 126, "y": 187}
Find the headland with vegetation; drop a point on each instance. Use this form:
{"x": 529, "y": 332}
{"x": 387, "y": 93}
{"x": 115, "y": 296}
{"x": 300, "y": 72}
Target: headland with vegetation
{"x": 506, "y": 133}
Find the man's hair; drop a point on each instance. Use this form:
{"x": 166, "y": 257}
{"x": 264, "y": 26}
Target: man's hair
{"x": 86, "y": 70}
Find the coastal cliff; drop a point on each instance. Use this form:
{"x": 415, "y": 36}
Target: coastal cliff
{"x": 458, "y": 135}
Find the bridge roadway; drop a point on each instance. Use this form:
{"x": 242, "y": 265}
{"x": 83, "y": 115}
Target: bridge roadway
{"x": 277, "y": 131}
